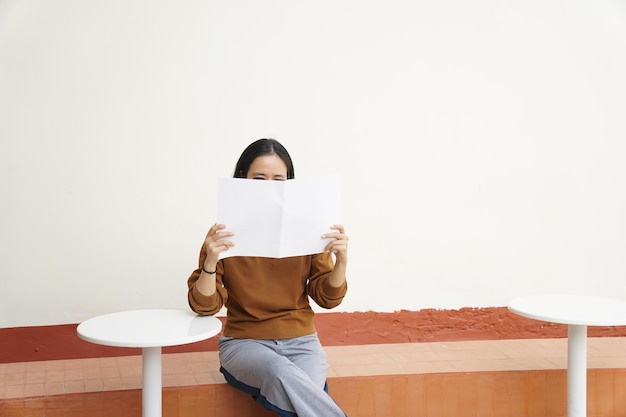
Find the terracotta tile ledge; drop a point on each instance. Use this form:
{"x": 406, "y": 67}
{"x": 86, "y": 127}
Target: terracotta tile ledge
{"x": 59, "y": 377}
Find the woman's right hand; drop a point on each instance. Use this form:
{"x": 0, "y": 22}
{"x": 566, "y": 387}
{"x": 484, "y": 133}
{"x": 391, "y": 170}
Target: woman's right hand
{"x": 215, "y": 243}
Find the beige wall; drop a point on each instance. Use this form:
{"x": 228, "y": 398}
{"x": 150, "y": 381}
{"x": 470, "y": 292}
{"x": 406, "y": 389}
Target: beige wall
{"x": 481, "y": 144}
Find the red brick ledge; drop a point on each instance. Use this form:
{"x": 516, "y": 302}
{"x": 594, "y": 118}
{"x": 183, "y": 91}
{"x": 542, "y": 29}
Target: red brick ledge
{"x": 27, "y": 344}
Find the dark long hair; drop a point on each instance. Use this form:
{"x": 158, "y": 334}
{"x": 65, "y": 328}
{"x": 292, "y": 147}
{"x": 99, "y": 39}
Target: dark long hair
{"x": 259, "y": 148}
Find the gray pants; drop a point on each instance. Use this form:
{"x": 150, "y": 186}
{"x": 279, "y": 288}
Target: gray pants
{"x": 287, "y": 376}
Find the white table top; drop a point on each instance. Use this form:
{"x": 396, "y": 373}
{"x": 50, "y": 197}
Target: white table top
{"x": 149, "y": 328}
{"x": 571, "y": 309}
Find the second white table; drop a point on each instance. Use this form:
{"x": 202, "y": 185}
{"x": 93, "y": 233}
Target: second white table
{"x": 578, "y": 312}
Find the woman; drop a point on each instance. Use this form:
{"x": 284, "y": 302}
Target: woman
{"x": 270, "y": 348}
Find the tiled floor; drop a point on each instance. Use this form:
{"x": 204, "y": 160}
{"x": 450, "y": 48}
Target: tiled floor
{"x": 51, "y": 378}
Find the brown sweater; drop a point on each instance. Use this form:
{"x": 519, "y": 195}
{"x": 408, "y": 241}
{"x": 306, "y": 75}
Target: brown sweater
{"x": 268, "y": 298}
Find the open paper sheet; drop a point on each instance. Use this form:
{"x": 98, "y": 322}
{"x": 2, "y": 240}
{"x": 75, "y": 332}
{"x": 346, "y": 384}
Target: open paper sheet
{"x": 277, "y": 219}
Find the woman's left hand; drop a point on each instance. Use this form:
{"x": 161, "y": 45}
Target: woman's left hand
{"x": 339, "y": 246}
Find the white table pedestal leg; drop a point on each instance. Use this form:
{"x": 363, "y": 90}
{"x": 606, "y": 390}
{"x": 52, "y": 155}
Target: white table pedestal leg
{"x": 576, "y": 371}
{"x": 151, "y": 382}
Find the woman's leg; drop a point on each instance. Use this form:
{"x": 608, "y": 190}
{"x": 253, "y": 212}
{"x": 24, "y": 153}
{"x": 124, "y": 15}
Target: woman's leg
{"x": 286, "y": 376}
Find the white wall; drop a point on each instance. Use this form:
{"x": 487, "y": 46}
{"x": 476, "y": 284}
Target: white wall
{"x": 481, "y": 145}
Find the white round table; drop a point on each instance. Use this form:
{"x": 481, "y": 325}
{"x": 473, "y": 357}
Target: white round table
{"x": 149, "y": 330}
{"x": 578, "y": 312}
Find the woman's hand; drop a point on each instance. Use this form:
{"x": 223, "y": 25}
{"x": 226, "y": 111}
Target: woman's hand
{"x": 339, "y": 246}
{"x": 215, "y": 243}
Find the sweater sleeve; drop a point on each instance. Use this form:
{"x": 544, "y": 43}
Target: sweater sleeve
{"x": 319, "y": 289}
{"x": 206, "y": 305}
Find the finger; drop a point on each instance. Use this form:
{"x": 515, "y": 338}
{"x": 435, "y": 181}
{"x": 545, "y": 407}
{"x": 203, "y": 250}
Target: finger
{"x": 211, "y": 231}
{"x": 215, "y": 234}
{"x": 337, "y": 236}
{"x": 218, "y": 247}
{"x": 336, "y": 246}
{"x": 221, "y": 246}
{"x": 216, "y": 228}
{"x": 221, "y": 235}
{"x": 340, "y": 234}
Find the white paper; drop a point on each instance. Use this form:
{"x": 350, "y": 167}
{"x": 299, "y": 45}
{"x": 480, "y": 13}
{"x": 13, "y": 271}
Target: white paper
{"x": 277, "y": 219}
